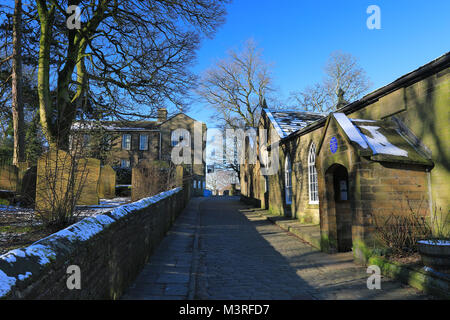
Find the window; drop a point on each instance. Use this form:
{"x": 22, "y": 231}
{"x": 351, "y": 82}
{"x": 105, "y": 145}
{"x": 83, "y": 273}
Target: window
{"x": 143, "y": 142}
{"x": 177, "y": 138}
{"x": 125, "y": 163}
{"x": 288, "y": 180}
{"x": 86, "y": 139}
{"x": 126, "y": 142}
{"x": 195, "y": 184}
{"x": 312, "y": 176}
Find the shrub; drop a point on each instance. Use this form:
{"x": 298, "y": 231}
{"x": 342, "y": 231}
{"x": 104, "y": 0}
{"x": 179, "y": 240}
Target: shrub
{"x": 123, "y": 175}
{"x": 400, "y": 233}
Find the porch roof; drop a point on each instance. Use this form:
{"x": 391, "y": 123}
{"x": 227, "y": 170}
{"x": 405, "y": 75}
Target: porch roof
{"x": 381, "y": 140}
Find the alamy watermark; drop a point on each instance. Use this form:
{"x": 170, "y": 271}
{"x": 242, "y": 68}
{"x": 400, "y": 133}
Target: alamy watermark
{"x": 74, "y": 19}
{"x": 374, "y": 280}
{"x": 239, "y": 146}
{"x": 374, "y": 20}
{"x": 74, "y": 279}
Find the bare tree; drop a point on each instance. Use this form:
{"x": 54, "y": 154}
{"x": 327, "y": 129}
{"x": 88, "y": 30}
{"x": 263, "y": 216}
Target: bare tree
{"x": 236, "y": 87}
{"x": 127, "y": 57}
{"x": 16, "y": 64}
{"x": 17, "y": 102}
{"x": 345, "y": 81}
{"x": 218, "y": 180}
{"x": 227, "y": 158}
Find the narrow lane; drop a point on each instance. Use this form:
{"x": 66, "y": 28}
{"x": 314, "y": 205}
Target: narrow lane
{"x": 220, "y": 249}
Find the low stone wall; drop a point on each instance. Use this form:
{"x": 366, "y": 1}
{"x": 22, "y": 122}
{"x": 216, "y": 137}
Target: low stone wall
{"x": 110, "y": 250}
{"x": 427, "y": 281}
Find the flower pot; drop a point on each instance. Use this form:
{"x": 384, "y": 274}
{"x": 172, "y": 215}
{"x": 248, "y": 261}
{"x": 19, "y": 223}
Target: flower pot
{"x": 435, "y": 254}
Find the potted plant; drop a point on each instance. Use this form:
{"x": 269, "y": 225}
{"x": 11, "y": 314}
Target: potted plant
{"x": 435, "y": 251}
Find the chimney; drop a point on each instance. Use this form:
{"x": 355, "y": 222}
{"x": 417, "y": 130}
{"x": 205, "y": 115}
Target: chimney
{"x": 162, "y": 114}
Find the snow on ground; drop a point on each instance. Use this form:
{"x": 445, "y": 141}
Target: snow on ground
{"x": 16, "y": 210}
{"x": 104, "y": 206}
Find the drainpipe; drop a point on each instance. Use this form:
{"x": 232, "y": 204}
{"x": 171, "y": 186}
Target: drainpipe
{"x": 430, "y": 196}
{"x": 160, "y": 142}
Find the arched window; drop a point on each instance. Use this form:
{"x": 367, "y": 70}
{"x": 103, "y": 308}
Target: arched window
{"x": 312, "y": 176}
{"x": 288, "y": 180}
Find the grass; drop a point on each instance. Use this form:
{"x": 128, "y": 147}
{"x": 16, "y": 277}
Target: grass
{"x": 17, "y": 229}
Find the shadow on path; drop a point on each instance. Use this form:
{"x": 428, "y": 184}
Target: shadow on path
{"x": 243, "y": 256}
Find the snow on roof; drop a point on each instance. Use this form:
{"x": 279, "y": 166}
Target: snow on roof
{"x": 380, "y": 144}
{"x": 286, "y": 122}
{"x": 115, "y": 126}
{"x": 350, "y": 130}
{"x": 368, "y": 133}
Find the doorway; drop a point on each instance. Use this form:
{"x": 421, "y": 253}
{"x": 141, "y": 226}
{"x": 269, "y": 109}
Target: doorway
{"x": 338, "y": 208}
{"x": 343, "y": 209}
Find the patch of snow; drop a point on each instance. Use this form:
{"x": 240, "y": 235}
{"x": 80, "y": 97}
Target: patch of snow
{"x": 275, "y": 124}
{"x": 22, "y": 277}
{"x": 84, "y": 229}
{"x": 350, "y": 130}
{"x": 10, "y": 256}
{"x": 125, "y": 209}
{"x": 436, "y": 242}
{"x": 287, "y": 122}
{"x": 44, "y": 253}
{"x": 362, "y": 120}
{"x": 104, "y": 220}
{"x": 19, "y": 210}
{"x": 6, "y": 283}
{"x": 380, "y": 143}
{"x": 107, "y": 127}
{"x": 115, "y": 201}
{"x": 431, "y": 270}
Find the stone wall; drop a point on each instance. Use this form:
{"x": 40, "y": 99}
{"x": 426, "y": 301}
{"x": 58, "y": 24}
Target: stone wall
{"x": 302, "y": 209}
{"x": 110, "y": 249}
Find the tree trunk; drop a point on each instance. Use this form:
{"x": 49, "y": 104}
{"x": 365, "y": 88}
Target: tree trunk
{"x": 17, "y": 101}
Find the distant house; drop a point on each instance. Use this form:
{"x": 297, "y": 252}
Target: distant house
{"x": 132, "y": 142}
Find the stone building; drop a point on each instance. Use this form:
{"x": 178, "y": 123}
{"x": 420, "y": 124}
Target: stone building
{"x": 129, "y": 143}
{"x": 385, "y": 153}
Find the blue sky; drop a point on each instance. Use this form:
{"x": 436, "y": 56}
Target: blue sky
{"x": 297, "y": 37}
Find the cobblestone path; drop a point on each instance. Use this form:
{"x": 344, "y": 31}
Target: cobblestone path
{"x": 219, "y": 250}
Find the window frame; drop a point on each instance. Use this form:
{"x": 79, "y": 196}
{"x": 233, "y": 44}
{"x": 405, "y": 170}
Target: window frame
{"x": 146, "y": 142}
{"x": 127, "y": 161}
{"x": 313, "y": 186}
{"x": 124, "y": 144}
{"x": 287, "y": 180}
